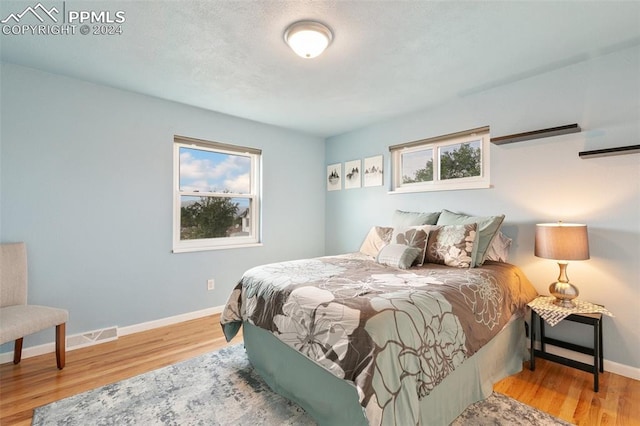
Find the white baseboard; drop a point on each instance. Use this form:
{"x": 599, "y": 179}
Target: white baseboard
{"x": 610, "y": 366}
{"x": 122, "y": 331}
{"x": 150, "y": 325}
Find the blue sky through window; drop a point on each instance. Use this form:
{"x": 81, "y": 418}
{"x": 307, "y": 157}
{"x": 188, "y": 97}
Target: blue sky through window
{"x": 207, "y": 171}
{"x": 414, "y": 161}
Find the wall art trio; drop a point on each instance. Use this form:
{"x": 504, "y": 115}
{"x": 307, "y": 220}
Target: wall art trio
{"x": 355, "y": 174}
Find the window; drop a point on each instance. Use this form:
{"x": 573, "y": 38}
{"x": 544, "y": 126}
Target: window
{"x": 456, "y": 161}
{"x": 216, "y": 201}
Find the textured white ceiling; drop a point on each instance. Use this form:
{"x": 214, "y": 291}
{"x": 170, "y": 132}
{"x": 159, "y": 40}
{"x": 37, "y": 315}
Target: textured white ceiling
{"x": 387, "y": 58}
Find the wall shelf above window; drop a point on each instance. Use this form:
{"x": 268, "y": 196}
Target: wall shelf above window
{"x": 606, "y": 152}
{"x": 536, "y": 134}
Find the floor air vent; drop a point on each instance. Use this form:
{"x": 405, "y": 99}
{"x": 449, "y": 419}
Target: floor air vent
{"x": 92, "y": 338}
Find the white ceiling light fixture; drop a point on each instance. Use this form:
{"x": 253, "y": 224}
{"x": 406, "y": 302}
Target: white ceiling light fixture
{"x": 308, "y": 38}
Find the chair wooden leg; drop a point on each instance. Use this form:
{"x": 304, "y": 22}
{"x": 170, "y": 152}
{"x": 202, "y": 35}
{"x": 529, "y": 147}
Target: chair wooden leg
{"x": 17, "y": 351}
{"x": 60, "y": 345}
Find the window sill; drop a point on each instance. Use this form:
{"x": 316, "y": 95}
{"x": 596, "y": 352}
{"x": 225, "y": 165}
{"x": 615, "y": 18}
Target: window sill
{"x": 209, "y": 248}
{"x": 446, "y": 187}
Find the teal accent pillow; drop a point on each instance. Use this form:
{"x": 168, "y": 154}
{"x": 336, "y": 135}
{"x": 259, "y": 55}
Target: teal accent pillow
{"x": 488, "y": 227}
{"x": 402, "y": 219}
{"x": 398, "y": 255}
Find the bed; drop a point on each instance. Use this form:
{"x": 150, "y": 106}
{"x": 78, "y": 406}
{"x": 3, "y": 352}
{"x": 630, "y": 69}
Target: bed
{"x": 387, "y": 340}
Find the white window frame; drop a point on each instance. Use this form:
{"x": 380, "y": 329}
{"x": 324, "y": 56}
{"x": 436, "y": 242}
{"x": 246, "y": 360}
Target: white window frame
{"x": 475, "y": 182}
{"x": 255, "y": 213}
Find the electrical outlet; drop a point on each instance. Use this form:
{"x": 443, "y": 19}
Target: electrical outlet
{"x": 211, "y": 284}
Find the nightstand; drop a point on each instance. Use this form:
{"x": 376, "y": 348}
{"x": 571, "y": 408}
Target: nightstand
{"x": 592, "y": 319}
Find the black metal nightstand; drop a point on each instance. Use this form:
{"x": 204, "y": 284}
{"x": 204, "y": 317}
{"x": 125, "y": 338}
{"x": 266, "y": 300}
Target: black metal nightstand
{"x": 593, "y": 319}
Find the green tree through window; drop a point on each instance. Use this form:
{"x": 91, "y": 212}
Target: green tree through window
{"x": 463, "y": 161}
{"x": 210, "y": 217}
{"x": 460, "y": 163}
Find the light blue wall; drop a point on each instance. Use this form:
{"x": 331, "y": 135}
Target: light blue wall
{"x": 536, "y": 181}
{"x": 86, "y": 181}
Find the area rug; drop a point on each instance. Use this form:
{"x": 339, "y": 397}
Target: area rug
{"x": 221, "y": 388}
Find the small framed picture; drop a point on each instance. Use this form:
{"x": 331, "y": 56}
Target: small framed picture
{"x": 334, "y": 177}
{"x": 373, "y": 173}
{"x": 352, "y": 175}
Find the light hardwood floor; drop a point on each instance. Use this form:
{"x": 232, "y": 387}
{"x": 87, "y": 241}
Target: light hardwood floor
{"x": 562, "y": 391}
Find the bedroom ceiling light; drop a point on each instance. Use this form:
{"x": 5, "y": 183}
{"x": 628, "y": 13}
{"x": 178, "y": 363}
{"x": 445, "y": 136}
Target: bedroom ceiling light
{"x": 562, "y": 242}
{"x": 308, "y": 38}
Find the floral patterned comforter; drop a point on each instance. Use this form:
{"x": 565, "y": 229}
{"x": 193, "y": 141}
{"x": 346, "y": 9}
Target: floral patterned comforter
{"x": 395, "y": 333}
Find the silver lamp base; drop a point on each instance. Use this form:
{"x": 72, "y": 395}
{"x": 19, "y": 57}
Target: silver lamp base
{"x": 564, "y": 292}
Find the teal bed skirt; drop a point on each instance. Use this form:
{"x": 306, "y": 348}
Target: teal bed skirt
{"x": 334, "y": 402}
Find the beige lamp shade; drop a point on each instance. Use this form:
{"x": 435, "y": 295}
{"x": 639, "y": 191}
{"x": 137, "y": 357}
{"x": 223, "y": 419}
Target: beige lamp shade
{"x": 562, "y": 241}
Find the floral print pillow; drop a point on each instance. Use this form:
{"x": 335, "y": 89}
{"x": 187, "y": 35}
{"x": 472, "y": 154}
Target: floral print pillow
{"x": 413, "y": 236}
{"x": 452, "y": 245}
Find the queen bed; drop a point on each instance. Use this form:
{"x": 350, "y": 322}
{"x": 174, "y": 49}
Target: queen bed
{"x": 405, "y": 337}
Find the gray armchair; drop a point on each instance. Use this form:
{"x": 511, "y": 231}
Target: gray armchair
{"x": 17, "y": 319}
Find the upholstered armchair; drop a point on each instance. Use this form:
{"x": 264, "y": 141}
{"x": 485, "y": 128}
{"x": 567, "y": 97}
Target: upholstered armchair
{"x": 17, "y": 319}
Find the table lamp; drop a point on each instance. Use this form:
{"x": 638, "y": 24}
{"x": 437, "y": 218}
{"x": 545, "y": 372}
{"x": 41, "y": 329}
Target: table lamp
{"x": 562, "y": 242}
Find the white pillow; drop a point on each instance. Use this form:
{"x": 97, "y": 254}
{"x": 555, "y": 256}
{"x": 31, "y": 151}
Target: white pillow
{"x": 499, "y": 249}
{"x": 378, "y": 237}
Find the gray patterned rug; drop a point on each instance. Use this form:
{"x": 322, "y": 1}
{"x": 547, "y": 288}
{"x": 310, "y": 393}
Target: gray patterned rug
{"x": 221, "y": 388}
